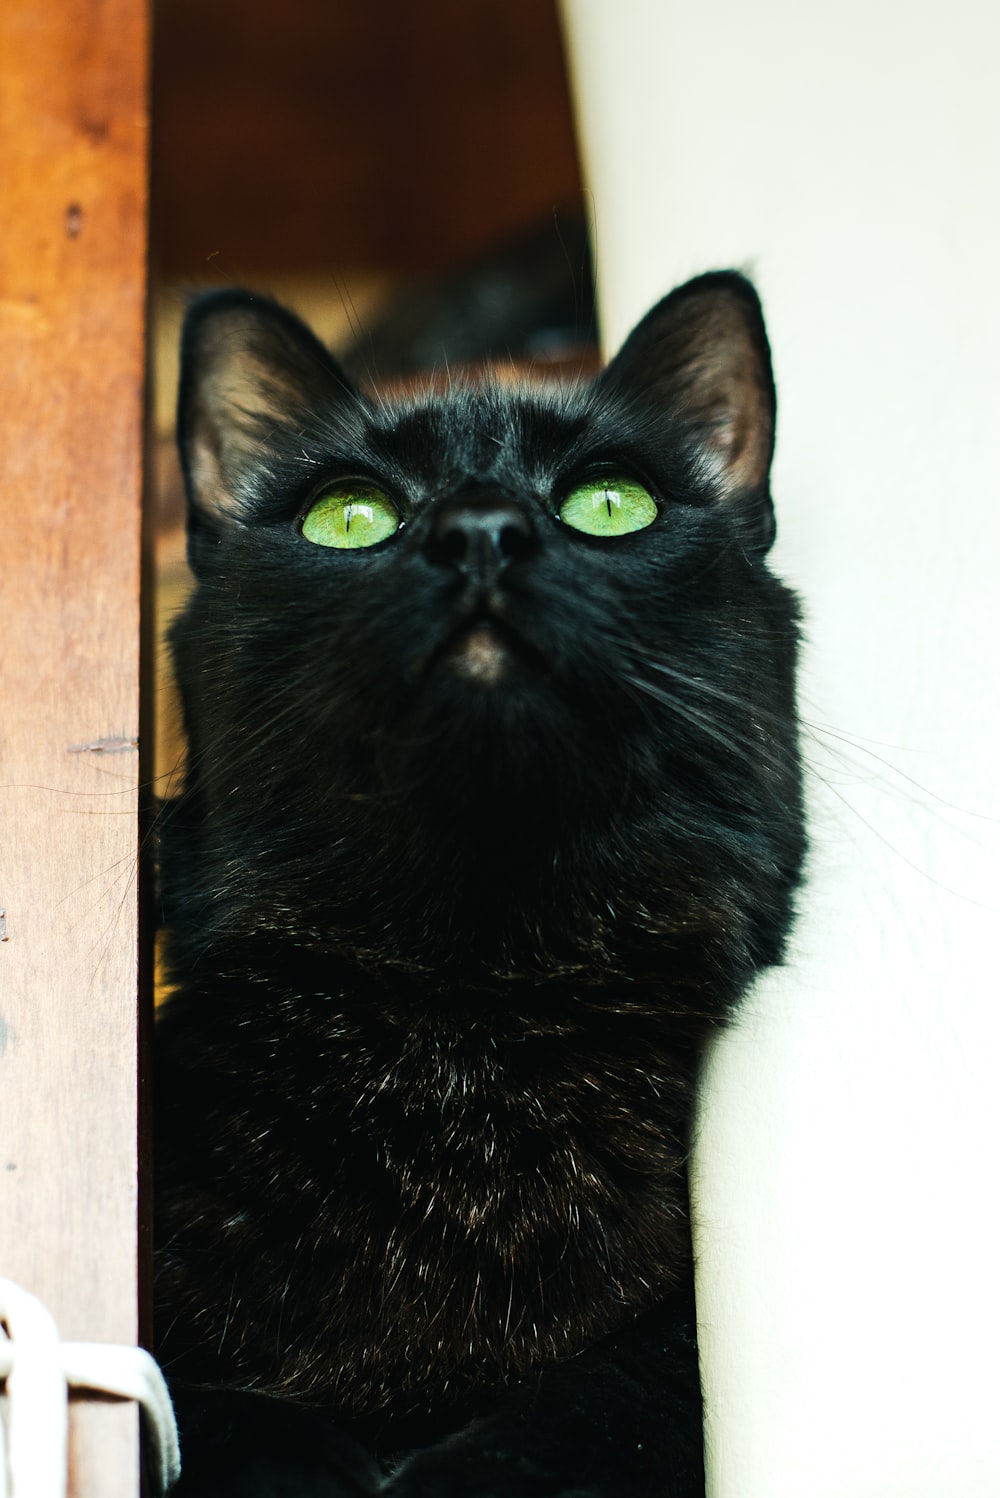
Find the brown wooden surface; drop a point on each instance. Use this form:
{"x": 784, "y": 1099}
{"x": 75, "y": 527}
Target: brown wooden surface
{"x": 72, "y": 294}
{"x": 320, "y": 134}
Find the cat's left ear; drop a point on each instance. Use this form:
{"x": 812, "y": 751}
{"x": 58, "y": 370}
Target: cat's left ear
{"x": 701, "y": 356}
{"x": 253, "y": 378}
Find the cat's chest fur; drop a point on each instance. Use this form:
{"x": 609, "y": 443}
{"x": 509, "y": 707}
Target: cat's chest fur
{"x": 423, "y": 1200}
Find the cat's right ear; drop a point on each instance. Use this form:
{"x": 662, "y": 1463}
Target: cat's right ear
{"x": 252, "y": 375}
{"x": 701, "y": 358}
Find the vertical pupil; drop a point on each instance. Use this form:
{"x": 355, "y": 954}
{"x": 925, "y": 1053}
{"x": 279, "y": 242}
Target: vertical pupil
{"x": 607, "y": 500}
{"x": 347, "y": 518}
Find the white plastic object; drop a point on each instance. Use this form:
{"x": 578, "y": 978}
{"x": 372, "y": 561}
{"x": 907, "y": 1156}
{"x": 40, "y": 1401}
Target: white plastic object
{"x": 38, "y": 1370}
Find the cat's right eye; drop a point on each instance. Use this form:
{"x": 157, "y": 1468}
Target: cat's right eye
{"x": 350, "y": 515}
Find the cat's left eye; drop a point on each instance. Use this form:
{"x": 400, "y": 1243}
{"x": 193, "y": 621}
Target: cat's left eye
{"x": 611, "y": 506}
{"x": 349, "y": 516}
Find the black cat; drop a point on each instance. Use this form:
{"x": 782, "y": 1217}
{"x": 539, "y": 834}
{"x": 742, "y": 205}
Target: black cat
{"x": 492, "y": 811}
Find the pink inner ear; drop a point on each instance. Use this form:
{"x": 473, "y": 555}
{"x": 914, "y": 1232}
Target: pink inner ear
{"x": 729, "y": 401}
{"x": 742, "y": 438}
{"x": 750, "y": 452}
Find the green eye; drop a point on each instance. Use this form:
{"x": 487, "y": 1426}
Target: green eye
{"x": 351, "y": 515}
{"x": 608, "y": 507}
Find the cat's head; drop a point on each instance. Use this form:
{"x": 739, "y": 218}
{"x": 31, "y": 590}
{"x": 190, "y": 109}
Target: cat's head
{"x": 488, "y": 638}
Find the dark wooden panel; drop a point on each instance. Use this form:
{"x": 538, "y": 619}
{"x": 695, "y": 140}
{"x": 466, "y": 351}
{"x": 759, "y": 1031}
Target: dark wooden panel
{"x": 72, "y": 297}
{"x": 318, "y": 134}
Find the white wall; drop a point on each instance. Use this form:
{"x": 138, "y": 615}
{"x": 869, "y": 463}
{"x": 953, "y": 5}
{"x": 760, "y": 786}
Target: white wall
{"x": 848, "y": 1182}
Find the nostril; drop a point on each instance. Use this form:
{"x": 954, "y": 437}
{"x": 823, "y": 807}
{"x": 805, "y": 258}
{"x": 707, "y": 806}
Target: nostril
{"x": 452, "y": 544}
{"x": 514, "y": 538}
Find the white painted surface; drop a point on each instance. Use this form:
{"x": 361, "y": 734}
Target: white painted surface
{"x": 848, "y": 1182}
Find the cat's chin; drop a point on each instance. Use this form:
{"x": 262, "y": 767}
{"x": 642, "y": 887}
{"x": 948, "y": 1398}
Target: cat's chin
{"x": 481, "y": 654}
{"x": 486, "y": 653}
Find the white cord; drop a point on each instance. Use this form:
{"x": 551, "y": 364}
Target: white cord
{"x": 39, "y": 1369}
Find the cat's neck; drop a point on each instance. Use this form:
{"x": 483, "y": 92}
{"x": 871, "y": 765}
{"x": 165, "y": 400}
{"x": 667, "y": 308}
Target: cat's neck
{"x": 467, "y": 895}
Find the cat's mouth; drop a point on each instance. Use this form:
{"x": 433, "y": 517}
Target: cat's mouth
{"x": 485, "y": 650}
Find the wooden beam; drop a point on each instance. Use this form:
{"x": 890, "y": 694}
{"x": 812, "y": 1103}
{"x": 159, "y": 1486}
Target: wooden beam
{"x": 73, "y": 122}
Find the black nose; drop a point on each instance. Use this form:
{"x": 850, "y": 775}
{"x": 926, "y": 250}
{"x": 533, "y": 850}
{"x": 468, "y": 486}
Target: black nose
{"x": 481, "y": 534}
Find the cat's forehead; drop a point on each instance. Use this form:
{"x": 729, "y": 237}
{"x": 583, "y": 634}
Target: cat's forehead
{"x": 485, "y": 432}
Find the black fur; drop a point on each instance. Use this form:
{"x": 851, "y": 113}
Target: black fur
{"x": 449, "y": 932}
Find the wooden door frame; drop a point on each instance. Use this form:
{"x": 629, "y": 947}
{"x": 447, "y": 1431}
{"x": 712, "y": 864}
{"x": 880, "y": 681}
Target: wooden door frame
{"x": 73, "y": 248}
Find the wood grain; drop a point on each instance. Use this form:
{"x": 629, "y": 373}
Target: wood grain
{"x": 73, "y": 121}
